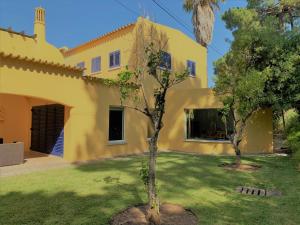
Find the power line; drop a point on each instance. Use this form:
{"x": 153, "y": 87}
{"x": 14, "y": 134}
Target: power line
{"x": 215, "y": 49}
{"x": 183, "y": 24}
{"x": 171, "y": 15}
{"x": 127, "y": 8}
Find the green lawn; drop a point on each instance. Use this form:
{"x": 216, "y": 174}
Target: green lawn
{"x": 91, "y": 194}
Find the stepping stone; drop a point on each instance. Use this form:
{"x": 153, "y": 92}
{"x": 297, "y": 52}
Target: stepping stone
{"x": 262, "y": 192}
{"x": 257, "y": 192}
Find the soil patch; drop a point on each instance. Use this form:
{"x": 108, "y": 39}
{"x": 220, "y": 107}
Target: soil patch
{"x": 240, "y": 167}
{"x": 171, "y": 214}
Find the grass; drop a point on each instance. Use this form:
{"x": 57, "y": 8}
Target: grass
{"x": 91, "y": 194}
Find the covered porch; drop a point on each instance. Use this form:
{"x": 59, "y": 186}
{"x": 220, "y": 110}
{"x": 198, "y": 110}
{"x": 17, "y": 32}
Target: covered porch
{"x": 33, "y": 162}
{"x": 30, "y": 127}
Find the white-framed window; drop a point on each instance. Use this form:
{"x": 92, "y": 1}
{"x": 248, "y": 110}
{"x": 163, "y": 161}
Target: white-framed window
{"x": 80, "y": 65}
{"x": 114, "y": 59}
{"x": 96, "y": 64}
{"x": 116, "y": 124}
{"x": 166, "y": 61}
{"x": 191, "y": 66}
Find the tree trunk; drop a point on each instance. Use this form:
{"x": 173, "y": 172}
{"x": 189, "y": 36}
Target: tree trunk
{"x": 153, "y": 215}
{"x": 239, "y": 127}
{"x": 291, "y": 20}
{"x": 283, "y": 120}
{"x": 236, "y": 142}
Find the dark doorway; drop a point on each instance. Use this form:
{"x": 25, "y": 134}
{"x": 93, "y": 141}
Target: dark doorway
{"x": 47, "y": 126}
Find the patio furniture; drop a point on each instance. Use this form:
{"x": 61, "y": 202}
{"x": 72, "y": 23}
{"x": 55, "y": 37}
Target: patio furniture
{"x": 11, "y": 154}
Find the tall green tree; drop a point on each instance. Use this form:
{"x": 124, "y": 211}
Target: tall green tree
{"x": 283, "y": 51}
{"x": 262, "y": 67}
{"x": 203, "y": 18}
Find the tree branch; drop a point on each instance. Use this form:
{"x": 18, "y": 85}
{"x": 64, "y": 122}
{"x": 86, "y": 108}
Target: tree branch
{"x": 138, "y": 109}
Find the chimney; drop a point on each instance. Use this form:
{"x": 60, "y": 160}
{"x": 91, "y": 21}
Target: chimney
{"x": 39, "y": 24}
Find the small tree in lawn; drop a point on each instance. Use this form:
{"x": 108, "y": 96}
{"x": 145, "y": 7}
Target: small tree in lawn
{"x": 261, "y": 69}
{"x": 242, "y": 96}
{"x": 134, "y": 91}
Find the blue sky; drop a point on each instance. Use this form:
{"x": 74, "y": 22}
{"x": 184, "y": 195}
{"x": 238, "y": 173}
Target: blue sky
{"x": 72, "y": 22}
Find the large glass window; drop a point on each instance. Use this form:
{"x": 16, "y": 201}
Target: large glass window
{"x": 116, "y": 124}
{"x": 114, "y": 59}
{"x": 209, "y": 124}
{"x": 96, "y": 64}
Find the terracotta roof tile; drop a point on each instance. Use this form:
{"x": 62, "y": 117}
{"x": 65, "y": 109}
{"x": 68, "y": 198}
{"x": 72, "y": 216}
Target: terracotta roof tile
{"x": 93, "y": 41}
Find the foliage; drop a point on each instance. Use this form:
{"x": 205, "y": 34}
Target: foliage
{"x": 262, "y": 68}
{"x": 293, "y": 133}
{"x": 290, "y": 118}
{"x": 294, "y": 139}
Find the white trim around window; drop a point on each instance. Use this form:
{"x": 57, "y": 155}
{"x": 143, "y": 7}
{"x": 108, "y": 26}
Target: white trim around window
{"x": 122, "y": 140}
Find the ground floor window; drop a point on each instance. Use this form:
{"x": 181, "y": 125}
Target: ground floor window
{"x": 208, "y": 124}
{"x": 116, "y": 124}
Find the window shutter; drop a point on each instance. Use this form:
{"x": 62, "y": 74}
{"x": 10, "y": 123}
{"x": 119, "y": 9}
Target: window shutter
{"x": 111, "y": 60}
{"x": 193, "y": 69}
{"x": 117, "y": 58}
{"x": 169, "y": 61}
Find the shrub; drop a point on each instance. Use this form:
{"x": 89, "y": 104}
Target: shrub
{"x": 292, "y": 121}
{"x": 293, "y": 139}
{"x": 293, "y": 134}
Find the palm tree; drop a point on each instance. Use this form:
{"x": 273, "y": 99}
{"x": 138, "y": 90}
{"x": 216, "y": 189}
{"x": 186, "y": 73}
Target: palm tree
{"x": 203, "y": 18}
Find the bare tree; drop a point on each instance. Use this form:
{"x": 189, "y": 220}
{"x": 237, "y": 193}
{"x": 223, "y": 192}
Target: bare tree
{"x": 143, "y": 87}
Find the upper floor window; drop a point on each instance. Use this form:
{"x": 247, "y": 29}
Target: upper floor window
{"x": 191, "y": 66}
{"x": 166, "y": 62}
{"x": 114, "y": 59}
{"x": 96, "y": 64}
{"x": 81, "y": 65}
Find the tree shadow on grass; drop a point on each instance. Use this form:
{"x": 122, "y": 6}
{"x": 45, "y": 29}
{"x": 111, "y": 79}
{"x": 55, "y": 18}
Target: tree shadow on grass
{"x": 66, "y": 208}
{"x": 195, "y": 182}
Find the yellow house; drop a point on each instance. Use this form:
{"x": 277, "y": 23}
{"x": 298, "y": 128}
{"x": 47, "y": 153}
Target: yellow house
{"x": 54, "y": 102}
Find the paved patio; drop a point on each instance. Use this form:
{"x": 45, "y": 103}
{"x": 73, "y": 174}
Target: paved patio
{"x": 34, "y": 161}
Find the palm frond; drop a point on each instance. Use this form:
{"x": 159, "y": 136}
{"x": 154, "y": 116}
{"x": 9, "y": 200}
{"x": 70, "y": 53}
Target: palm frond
{"x": 203, "y": 18}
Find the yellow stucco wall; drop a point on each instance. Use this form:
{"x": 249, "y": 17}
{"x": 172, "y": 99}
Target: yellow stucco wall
{"x": 127, "y": 39}
{"x": 86, "y": 128}
{"x": 15, "y": 123}
{"x": 258, "y": 136}
{"x": 44, "y": 80}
